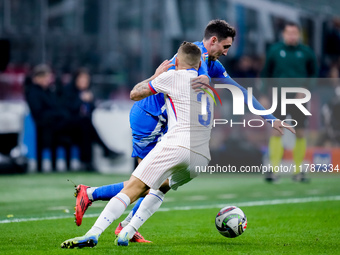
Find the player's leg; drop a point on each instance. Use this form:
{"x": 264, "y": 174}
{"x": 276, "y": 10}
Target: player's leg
{"x": 126, "y": 221}
{"x": 182, "y": 173}
{"x": 147, "y": 130}
{"x": 299, "y": 150}
{"x": 275, "y": 149}
{"x": 152, "y": 172}
{"x": 113, "y": 210}
{"x": 148, "y": 207}
{"x": 85, "y": 195}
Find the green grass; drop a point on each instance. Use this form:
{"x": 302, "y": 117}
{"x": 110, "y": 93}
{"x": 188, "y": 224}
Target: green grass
{"x": 290, "y": 228}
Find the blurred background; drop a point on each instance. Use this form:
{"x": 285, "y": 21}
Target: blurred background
{"x": 121, "y": 42}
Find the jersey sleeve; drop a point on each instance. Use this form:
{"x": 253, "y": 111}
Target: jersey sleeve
{"x": 162, "y": 83}
{"x": 203, "y": 70}
{"x": 219, "y": 70}
{"x": 173, "y": 60}
{"x": 223, "y": 77}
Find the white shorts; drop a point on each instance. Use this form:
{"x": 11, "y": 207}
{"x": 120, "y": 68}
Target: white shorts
{"x": 173, "y": 162}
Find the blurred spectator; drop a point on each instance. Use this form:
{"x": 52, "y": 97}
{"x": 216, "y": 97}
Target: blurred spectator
{"x": 290, "y": 59}
{"x": 78, "y": 99}
{"x": 50, "y": 118}
{"x": 63, "y": 78}
{"x": 331, "y": 113}
{"x": 332, "y": 40}
{"x": 334, "y": 72}
{"x": 331, "y": 49}
{"x": 245, "y": 68}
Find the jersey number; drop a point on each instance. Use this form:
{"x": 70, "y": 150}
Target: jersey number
{"x": 204, "y": 100}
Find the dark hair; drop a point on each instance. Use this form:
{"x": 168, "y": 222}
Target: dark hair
{"x": 191, "y": 53}
{"x": 291, "y": 24}
{"x": 190, "y": 48}
{"x": 80, "y": 71}
{"x": 219, "y": 28}
{"x": 77, "y": 73}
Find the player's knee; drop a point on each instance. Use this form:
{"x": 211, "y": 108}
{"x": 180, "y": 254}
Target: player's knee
{"x": 139, "y": 160}
{"x": 300, "y": 132}
{"x": 134, "y": 188}
{"x": 165, "y": 187}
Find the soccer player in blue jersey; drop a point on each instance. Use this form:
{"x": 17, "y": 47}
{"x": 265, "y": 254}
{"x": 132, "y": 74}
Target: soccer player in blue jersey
{"x": 148, "y": 117}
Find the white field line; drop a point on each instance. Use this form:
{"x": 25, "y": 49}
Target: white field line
{"x": 197, "y": 207}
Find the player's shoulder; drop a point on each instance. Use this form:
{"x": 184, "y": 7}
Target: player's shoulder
{"x": 186, "y": 73}
{"x": 166, "y": 74}
{"x": 199, "y": 44}
{"x": 218, "y": 64}
{"x": 220, "y": 70}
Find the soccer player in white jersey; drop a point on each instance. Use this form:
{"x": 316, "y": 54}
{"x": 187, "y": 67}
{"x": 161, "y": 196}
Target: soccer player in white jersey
{"x": 171, "y": 161}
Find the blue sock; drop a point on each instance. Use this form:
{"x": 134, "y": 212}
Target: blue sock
{"x": 128, "y": 218}
{"x": 107, "y": 192}
{"x": 135, "y": 208}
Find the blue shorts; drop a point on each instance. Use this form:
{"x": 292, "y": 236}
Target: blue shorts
{"x": 147, "y": 130}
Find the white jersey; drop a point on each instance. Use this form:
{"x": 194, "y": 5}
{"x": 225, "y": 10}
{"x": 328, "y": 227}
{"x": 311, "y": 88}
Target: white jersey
{"x": 187, "y": 126}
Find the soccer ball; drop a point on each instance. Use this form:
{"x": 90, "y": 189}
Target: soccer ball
{"x": 231, "y": 221}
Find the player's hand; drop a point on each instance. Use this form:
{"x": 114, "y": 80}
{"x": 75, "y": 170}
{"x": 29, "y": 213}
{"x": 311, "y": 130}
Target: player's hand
{"x": 279, "y": 127}
{"x": 163, "y": 67}
{"x": 200, "y": 82}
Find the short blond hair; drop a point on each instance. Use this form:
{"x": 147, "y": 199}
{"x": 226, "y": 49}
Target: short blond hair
{"x": 190, "y": 54}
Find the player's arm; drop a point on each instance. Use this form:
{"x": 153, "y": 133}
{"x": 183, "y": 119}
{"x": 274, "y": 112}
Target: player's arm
{"x": 142, "y": 89}
{"x": 257, "y": 105}
{"x": 203, "y": 77}
{"x": 276, "y": 123}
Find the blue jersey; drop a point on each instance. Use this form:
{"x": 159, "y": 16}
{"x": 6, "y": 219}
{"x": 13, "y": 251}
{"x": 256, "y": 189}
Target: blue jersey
{"x": 154, "y": 105}
{"x": 211, "y": 68}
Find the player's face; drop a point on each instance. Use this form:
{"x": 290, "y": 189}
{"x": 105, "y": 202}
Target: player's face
{"x": 291, "y": 35}
{"x": 44, "y": 80}
{"x": 83, "y": 81}
{"x": 219, "y": 48}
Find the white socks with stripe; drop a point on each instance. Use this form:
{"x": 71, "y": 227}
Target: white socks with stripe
{"x": 148, "y": 207}
{"x": 112, "y": 211}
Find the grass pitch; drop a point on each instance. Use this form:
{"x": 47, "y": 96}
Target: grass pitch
{"x": 36, "y": 216}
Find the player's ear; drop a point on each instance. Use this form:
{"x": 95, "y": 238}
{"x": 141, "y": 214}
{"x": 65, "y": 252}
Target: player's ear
{"x": 214, "y": 39}
{"x": 176, "y": 61}
{"x": 200, "y": 64}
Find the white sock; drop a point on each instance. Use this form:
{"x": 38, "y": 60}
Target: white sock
{"x": 112, "y": 211}
{"x": 127, "y": 220}
{"x": 148, "y": 207}
{"x": 89, "y": 192}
